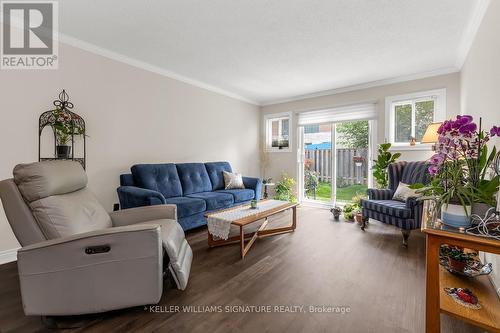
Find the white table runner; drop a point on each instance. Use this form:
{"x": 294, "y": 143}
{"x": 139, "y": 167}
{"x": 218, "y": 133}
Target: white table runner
{"x": 219, "y": 224}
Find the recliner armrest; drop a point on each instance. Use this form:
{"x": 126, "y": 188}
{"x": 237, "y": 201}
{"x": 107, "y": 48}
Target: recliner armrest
{"x": 380, "y": 194}
{"x": 131, "y": 196}
{"x": 83, "y": 273}
{"x": 143, "y": 214}
{"x": 254, "y": 184}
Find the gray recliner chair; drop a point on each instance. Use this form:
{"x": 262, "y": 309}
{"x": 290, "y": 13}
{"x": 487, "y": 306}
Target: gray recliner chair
{"x": 78, "y": 259}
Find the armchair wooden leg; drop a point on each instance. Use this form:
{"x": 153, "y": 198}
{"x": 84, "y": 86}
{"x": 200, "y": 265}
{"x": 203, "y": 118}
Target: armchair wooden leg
{"x": 406, "y": 234}
{"x": 364, "y": 223}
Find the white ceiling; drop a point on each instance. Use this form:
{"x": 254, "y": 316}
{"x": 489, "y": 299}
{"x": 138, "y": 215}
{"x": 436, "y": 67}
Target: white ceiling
{"x": 271, "y": 50}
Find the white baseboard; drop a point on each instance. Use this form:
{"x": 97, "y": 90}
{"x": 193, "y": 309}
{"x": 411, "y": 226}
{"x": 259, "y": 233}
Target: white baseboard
{"x": 8, "y": 256}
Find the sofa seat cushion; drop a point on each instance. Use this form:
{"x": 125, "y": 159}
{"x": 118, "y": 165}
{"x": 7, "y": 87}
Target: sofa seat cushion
{"x": 187, "y": 206}
{"x": 388, "y": 207}
{"x": 214, "y": 200}
{"x": 240, "y": 195}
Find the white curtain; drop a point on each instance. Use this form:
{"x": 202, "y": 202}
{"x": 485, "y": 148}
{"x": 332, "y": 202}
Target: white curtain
{"x": 339, "y": 114}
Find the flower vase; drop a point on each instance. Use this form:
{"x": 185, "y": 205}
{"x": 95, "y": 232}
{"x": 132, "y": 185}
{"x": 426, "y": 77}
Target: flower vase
{"x": 456, "y": 216}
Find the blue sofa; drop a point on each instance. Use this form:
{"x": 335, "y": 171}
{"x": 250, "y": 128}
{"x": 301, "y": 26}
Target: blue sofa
{"x": 196, "y": 188}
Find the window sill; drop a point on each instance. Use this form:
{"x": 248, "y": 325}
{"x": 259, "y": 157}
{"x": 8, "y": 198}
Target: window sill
{"x": 269, "y": 150}
{"x": 417, "y": 147}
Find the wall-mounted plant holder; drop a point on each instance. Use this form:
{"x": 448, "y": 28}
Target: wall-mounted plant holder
{"x": 68, "y": 133}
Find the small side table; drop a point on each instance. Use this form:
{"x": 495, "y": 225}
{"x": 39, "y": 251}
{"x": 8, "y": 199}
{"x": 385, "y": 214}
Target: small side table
{"x": 437, "y": 278}
{"x": 265, "y": 189}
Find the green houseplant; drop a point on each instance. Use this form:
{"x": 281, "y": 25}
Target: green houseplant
{"x": 380, "y": 165}
{"x": 65, "y": 128}
{"x": 353, "y": 209}
{"x": 284, "y": 189}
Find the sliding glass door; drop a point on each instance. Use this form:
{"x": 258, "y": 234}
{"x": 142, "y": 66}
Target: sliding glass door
{"x": 351, "y": 159}
{"x": 335, "y": 159}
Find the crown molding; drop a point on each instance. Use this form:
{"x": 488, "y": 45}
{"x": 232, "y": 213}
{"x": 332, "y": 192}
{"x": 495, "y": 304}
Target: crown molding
{"x": 92, "y": 48}
{"x": 8, "y": 256}
{"x": 372, "y": 84}
{"x": 470, "y": 31}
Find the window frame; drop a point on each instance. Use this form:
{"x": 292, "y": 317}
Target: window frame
{"x": 439, "y": 97}
{"x": 268, "y": 138}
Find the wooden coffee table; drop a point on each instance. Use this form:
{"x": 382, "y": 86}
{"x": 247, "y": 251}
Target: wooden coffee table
{"x": 261, "y": 232}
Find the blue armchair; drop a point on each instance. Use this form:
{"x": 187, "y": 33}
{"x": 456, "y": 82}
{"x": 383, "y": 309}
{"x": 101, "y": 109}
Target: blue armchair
{"x": 380, "y": 205}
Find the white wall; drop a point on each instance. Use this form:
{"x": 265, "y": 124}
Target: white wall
{"x": 287, "y": 162}
{"x": 132, "y": 116}
{"x": 480, "y": 85}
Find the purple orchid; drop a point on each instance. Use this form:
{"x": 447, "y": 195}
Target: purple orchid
{"x": 495, "y": 131}
{"x": 433, "y": 170}
{"x": 459, "y": 138}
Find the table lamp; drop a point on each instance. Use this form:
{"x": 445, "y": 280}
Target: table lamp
{"x": 431, "y": 134}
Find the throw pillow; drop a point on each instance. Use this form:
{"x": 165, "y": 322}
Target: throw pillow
{"x": 403, "y": 192}
{"x": 233, "y": 180}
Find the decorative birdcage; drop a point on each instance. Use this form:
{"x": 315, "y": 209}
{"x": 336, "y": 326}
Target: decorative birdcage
{"x": 67, "y": 127}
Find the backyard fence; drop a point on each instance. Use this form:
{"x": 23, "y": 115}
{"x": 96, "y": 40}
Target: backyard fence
{"x": 320, "y": 161}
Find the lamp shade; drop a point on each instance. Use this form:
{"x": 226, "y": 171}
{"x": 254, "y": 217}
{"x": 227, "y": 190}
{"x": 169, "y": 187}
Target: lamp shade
{"x": 431, "y": 134}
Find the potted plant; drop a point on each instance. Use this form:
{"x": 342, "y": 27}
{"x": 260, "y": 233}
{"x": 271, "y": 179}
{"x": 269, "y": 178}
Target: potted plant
{"x": 65, "y": 128}
{"x": 356, "y": 202}
{"x": 349, "y": 212}
{"x": 459, "y": 171}
{"x": 284, "y": 189}
{"x": 380, "y": 165}
{"x": 352, "y": 211}
{"x": 457, "y": 258}
{"x": 336, "y": 211}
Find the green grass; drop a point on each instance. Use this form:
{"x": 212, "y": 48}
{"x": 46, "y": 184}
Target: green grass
{"x": 324, "y": 192}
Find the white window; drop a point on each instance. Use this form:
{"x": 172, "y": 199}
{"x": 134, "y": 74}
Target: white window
{"x": 407, "y": 116}
{"x": 278, "y": 132}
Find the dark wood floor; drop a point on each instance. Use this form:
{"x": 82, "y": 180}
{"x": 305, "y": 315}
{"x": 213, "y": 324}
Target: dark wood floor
{"x": 322, "y": 263}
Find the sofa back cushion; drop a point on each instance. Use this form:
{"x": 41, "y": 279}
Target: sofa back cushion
{"x": 162, "y": 178}
{"x": 415, "y": 172}
{"x": 58, "y": 198}
{"x": 215, "y": 172}
{"x": 194, "y": 178}
{"x": 70, "y": 214}
{"x": 395, "y": 172}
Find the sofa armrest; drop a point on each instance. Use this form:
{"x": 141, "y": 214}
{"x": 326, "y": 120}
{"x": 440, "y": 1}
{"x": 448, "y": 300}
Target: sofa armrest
{"x": 412, "y": 202}
{"x": 143, "y": 214}
{"x": 417, "y": 207}
{"x": 380, "y": 194}
{"x": 131, "y": 196}
{"x": 85, "y": 273}
{"x": 254, "y": 184}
